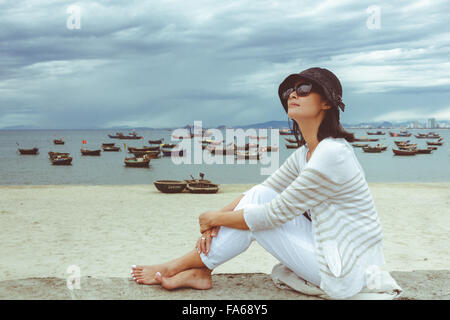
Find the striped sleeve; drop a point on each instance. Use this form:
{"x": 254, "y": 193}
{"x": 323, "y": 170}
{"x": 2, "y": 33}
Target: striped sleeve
{"x": 284, "y": 175}
{"x": 305, "y": 192}
{"x": 317, "y": 182}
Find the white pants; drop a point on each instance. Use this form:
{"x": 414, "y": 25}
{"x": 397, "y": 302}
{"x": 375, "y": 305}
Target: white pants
{"x": 291, "y": 243}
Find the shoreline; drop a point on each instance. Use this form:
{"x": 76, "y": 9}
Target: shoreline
{"x": 227, "y": 185}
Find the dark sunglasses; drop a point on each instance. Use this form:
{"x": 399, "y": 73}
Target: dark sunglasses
{"x": 302, "y": 90}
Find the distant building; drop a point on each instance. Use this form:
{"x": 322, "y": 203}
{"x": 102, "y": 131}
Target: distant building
{"x": 431, "y": 124}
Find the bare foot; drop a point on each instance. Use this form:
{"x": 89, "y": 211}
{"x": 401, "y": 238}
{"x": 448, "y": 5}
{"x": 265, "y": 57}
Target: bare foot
{"x": 199, "y": 278}
{"x": 146, "y": 274}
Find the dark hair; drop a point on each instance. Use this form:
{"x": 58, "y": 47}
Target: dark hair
{"x": 330, "y": 126}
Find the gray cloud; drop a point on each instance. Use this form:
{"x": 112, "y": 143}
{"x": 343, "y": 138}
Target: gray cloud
{"x": 168, "y": 63}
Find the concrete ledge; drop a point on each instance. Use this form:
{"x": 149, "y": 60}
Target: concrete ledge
{"x": 417, "y": 285}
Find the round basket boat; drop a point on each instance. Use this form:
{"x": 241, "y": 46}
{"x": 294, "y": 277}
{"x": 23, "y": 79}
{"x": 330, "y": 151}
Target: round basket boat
{"x": 170, "y": 186}
{"x": 199, "y": 187}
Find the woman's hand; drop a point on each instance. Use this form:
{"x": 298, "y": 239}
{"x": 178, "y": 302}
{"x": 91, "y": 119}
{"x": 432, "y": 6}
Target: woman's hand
{"x": 206, "y": 220}
{"x": 204, "y": 242}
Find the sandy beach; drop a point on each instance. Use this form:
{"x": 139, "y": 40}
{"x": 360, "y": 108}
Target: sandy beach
{"x": 104, "y": 230}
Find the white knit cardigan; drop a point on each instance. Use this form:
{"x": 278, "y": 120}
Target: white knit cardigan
{"x": 346, "y": 227}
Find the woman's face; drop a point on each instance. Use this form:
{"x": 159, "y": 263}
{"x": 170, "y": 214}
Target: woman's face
{"x": 306, "y": 108}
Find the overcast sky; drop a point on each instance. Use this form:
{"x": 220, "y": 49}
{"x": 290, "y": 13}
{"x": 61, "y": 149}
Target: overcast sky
{"x": 166, "y": 63}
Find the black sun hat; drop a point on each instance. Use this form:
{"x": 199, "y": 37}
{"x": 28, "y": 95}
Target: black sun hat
{"x": 320, "y": 77}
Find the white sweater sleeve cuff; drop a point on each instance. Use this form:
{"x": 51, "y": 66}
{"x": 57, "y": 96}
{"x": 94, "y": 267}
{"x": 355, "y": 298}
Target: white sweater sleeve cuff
{"x": 256, "y": 218}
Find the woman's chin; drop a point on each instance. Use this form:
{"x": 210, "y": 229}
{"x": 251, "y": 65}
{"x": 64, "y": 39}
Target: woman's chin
{"x": 295, "y": 114}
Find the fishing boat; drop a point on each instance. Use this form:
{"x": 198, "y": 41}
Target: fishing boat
{"x": 227, "y": 150}
{"x": 150, "y": 154}
{"x": 170, "y": 186}
{"x": 401, "y": 134}
{"x": 365, "y": 140}
{"x": 58, "y": 141}
{"x": 438, "y": 143}
{"x": 111, "y": 149}
{"x": 131, "y": 136}
{"x": 61, "y": 161}
{"x": 221, "y": 151}
{"x": 213, "y": 142}
{"x": 201, "y": 187}
{"x": 143, "y": 162}
{"x": 52, "y": 154}
{"x": 156, "y": 141}
{"x": 401, "y": 143}
{"x": 33, "y": 151}
{"x": 411, "y": 152}
{"x": 432, "y": 148}
{"x": 292, "y": 146}
{"x": 120, "y": 135}
{"x": 360, "y": 145}
{"x": 86, "y": 152}
{"x": 109, "y": 144}
{"x": 377, "y": 133}
{"x": 168, "y": 145}
{"x": 171, "y": 153}
{"x": 248, "y": 156}
{"x": 116, "y": 136}
{"x": 133, "y": 149}
{"x": 430, "y": 135}
{"x": 407, "y": 146}
{"x": 369, "y": 149}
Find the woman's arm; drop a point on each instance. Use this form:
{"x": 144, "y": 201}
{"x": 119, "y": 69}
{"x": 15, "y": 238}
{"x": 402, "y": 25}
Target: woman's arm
{"x": 231, "y": 219}
{"x": 208, "y": 234}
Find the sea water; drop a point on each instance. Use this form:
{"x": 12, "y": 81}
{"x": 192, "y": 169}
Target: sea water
{"x": 109, "y": 168}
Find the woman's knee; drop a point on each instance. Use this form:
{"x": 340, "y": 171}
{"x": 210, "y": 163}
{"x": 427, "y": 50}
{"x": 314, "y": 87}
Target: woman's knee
{"x": 227, "y": 244}
{"x": 258, "y": 194}
{"x": 232, "y": 237}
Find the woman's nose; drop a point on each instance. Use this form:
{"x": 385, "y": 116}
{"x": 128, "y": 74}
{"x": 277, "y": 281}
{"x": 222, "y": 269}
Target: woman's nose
{"x": 293, "y": 95}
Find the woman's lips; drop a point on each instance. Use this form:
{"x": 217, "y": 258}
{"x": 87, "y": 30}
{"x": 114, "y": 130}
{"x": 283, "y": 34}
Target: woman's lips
{"x": 293, "y": 104}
